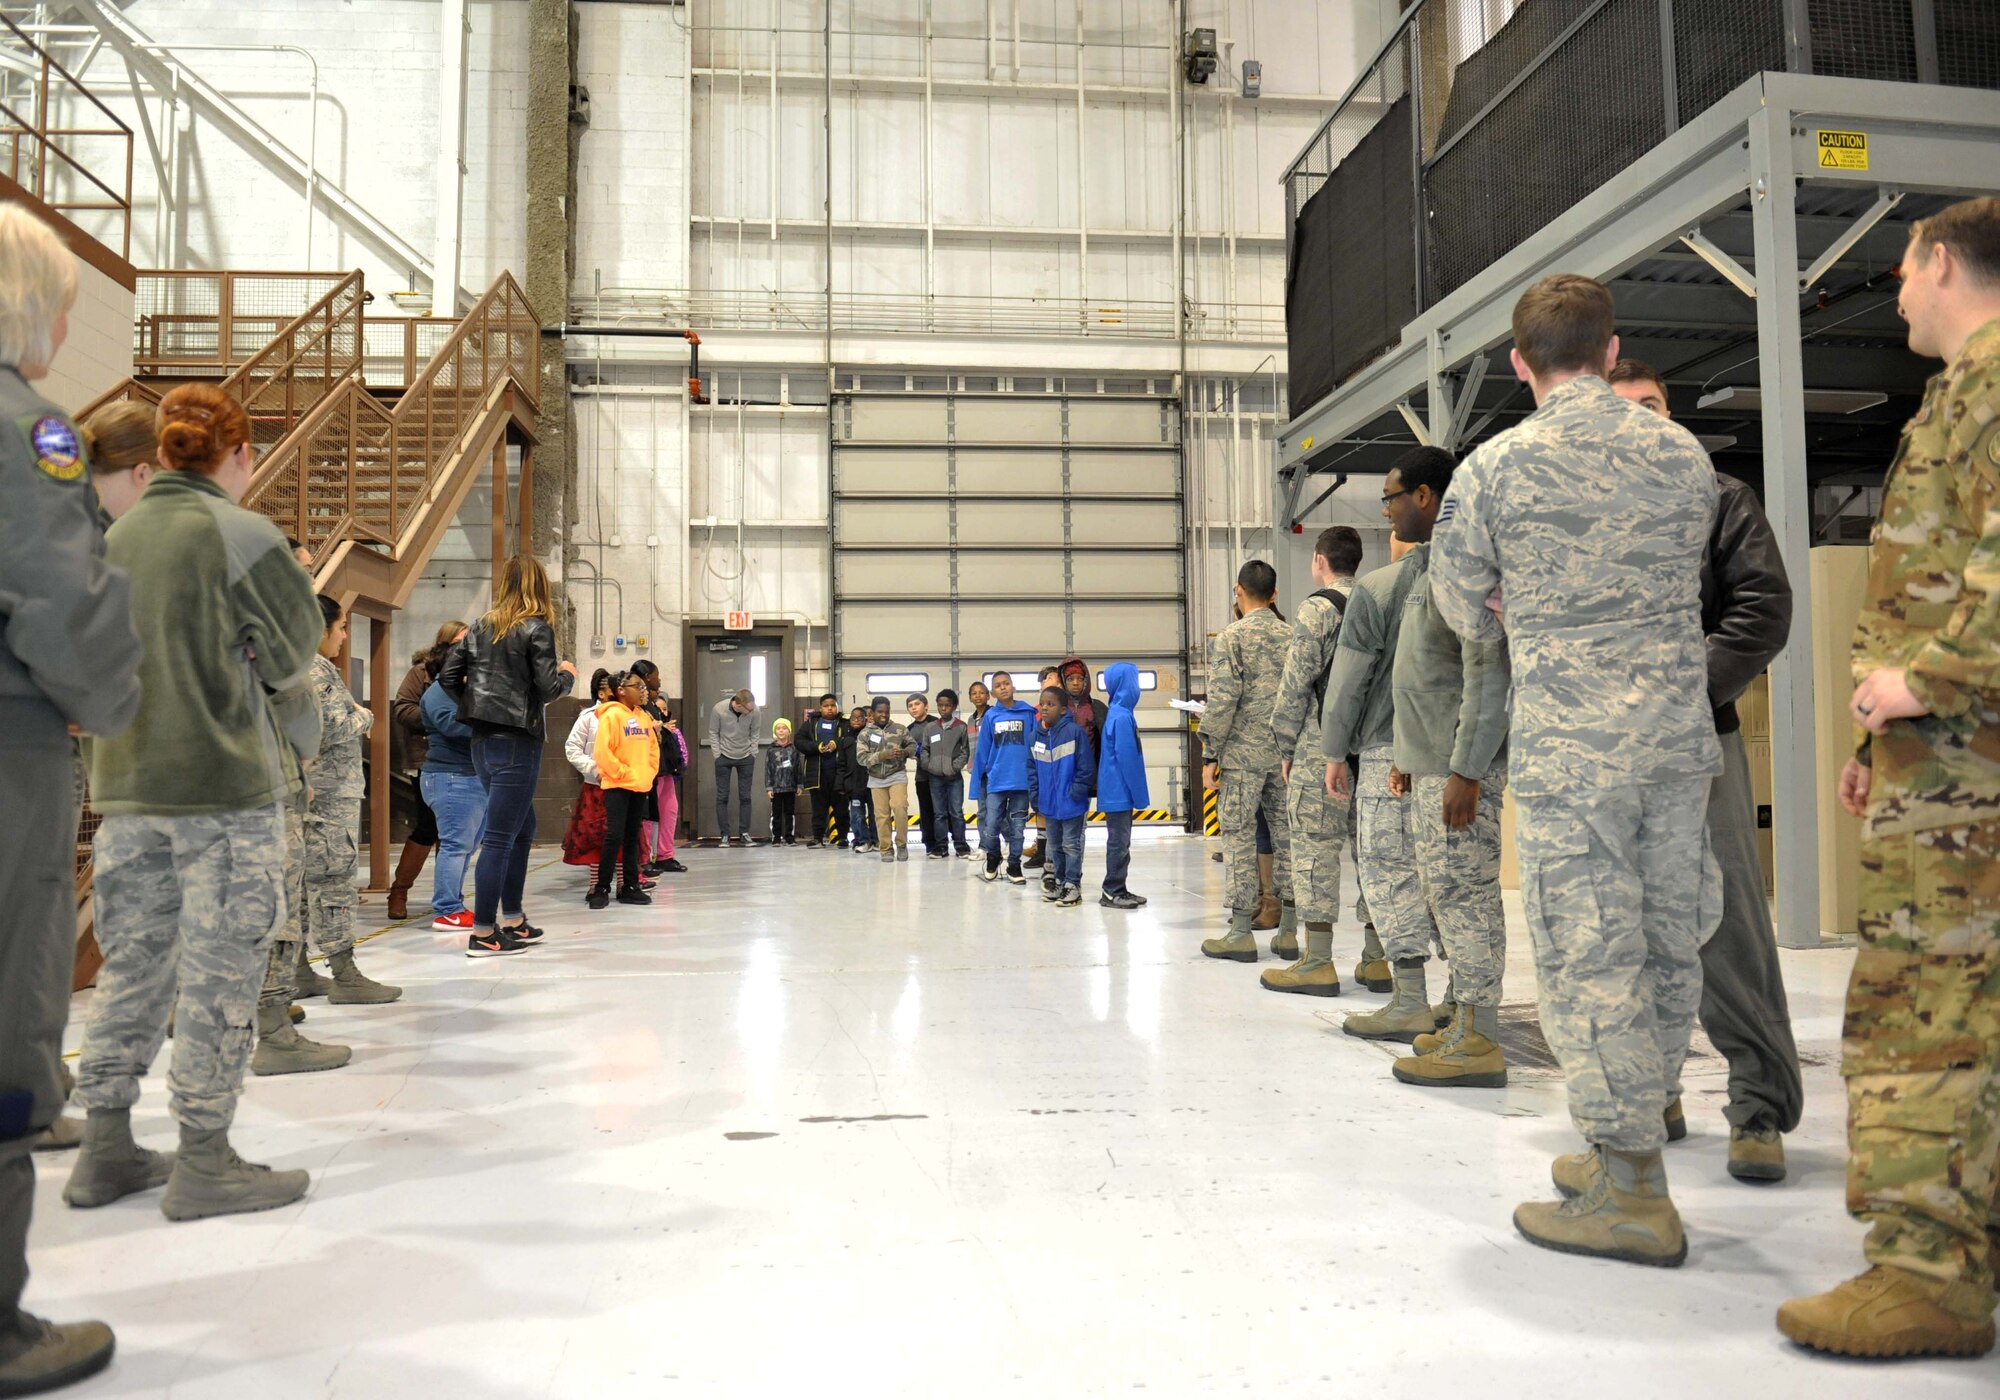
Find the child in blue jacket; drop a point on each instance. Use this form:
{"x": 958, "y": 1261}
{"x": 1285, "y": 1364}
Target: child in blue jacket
{"x": 1121, "y": 783}
{"x": 1059, "y": 784}
{"x": 1001, "y": 765}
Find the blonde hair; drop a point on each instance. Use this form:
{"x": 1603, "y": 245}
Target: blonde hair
{"x": 120, "y": 436}
{"x": 37, "y": 284}
{"x": 199, "y": 426}
{"x": 524, "y": 593}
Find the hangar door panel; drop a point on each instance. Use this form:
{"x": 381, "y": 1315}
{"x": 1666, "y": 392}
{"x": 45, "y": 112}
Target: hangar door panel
{"x": 1007, "y": 530}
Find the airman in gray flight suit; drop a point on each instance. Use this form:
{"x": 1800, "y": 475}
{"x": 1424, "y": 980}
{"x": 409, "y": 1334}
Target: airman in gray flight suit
{"x": 1587, "y": 524}
{"x": 68, "y": 660}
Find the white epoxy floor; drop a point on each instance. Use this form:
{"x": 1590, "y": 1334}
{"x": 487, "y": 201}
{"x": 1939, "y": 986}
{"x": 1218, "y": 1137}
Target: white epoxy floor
{"x": 814, "y": 1125}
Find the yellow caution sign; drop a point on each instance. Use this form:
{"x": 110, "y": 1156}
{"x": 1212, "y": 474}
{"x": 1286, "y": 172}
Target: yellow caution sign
{"x": 1842, "y": 150}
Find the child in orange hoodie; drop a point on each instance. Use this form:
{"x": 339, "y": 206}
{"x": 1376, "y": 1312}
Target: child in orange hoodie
{"x": 628, "y": 760}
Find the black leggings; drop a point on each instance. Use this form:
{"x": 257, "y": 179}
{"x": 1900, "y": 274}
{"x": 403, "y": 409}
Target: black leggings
{"x": 623, "y": 811}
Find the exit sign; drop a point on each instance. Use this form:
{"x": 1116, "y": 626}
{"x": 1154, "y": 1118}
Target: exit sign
{"x": 737, "y": 622}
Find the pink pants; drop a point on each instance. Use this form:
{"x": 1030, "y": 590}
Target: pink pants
{"x": 656, "y": 842}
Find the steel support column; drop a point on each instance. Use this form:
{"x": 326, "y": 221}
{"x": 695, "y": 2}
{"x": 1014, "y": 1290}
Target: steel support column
{"x": 454, "y": 36}
{"x": 379, "y": 777}
{"x": 1788, "y": 503}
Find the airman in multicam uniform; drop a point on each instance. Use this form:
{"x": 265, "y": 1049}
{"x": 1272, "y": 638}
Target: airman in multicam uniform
{"x": 1921, "y": 1044}
{"x": 1318, "y": 820}
{"x": 1451, "y": 764}
{"x": 1588, "y": 522}
{"x": 1242, "y": 758}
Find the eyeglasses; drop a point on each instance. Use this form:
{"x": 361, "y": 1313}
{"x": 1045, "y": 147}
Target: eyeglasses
{"x": 1392, "y": 496}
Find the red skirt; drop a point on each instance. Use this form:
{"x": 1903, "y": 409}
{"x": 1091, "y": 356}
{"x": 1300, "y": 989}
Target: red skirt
{"x": 585, "y": 837}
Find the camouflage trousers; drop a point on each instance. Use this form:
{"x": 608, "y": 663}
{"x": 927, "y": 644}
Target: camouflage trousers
{"x": 1319, "y": 830}
{"x": 284, "y": 957}
{"x": 1620, "y": 892}
{"x": 332, "y": 857}
{"x": 1460, "y": 871}
{"x": 1354, "y": 854}
{"x": 186, "y": 909}
{"x": 1388, "y": 861}
{"x": 1240, "y": 796}
{"x": 1921, "y": 1056}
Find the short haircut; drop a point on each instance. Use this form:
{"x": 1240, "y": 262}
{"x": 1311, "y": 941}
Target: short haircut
{"x": 1258, "y": 580}
{"x": 329, "y": 611}
{"x": 37, "y": 284}
{"x": 1062, "y": 696}
{"x": 1564, "y": 322}
{"x": 120, "y": 437}
{"x": 949, "y": 694}
{"x": 1971, "y": 229}
{"x": 829, "y": 696}
{"x": 916, "y": 696}
{"x": 998, "y": 674}
{"x": 879, "y": 700}
{"x": 1425, "y": 466}
{"x": 745, "y": 697}
{"x": 1631, "y": 371}
{"x": 1340, "y": 546}
{"x": 1048, "y": 671}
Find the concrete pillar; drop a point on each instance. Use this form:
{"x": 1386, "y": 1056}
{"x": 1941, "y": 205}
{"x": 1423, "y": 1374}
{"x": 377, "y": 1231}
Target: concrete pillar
{"x": 553, "y": 135}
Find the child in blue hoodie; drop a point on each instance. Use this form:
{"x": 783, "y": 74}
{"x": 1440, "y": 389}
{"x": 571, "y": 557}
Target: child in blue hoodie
{"x": 1121, "y": 783}
{"x": 1001, "y": 766}
{"x": 1059, "y": 785}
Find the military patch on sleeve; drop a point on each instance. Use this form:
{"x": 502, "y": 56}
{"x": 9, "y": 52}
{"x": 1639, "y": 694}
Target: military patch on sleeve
{"x": 1448, "y": 509}
{"x": 57, "y": 452}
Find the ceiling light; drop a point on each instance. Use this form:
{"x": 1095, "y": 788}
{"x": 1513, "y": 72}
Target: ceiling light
{"x": 1749, "y": 398}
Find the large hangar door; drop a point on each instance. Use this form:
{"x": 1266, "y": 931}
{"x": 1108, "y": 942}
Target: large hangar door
{"x": 975, "y": 531}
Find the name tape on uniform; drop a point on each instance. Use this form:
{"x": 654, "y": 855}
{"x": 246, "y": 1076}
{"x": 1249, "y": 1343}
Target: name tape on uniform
{"x": 1842, "y": 150}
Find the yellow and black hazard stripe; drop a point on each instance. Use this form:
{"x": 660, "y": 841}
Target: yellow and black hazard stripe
{"x": 1211, "y": 822}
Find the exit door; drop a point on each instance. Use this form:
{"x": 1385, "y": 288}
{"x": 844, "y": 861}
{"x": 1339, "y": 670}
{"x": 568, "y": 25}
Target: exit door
{"x": 720, "y": 663}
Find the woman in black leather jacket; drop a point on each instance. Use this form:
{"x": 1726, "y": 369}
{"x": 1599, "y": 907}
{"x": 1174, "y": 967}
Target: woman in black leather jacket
{"x": 503, "y": 675}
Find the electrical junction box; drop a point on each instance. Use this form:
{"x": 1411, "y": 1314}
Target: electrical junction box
{"x": 1198, "y": 55}
{"x": 1253, "y": 78}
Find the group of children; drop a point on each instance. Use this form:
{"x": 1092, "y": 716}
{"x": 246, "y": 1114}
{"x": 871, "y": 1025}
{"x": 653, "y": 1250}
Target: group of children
{"x": 630, "y": 752}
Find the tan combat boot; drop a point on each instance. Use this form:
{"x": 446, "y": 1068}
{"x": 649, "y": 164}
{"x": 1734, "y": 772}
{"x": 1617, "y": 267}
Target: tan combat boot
{"x": 1238, "y": 945}
{"x": 1676, "y": 1120}
{"x": 1468, "y": 1057}
{"x": 1408, "y": 1014}
{"x": 306, "y": 983}
{"x": 1885, "y": 1312}
{"x": 1314, "y": 975}
{"x": 282, "y": 1050}
{"x": 1373, "y": 971}
{"x": 1269, "y": 910}
{"x": 1286, "y": 943}
{"x": 1757, "y": 1155}
{"x": 1626, "y": 1215}
{"x": 353, "y": 987}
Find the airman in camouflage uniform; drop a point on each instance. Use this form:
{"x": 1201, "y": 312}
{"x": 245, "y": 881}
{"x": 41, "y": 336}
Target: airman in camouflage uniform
{"x": 1921, "y": 1044}
{"x": 1319, "y": 821}
{"x": 332, "y": 827}
{"x": 1450, "y": 753}
{"x": 1590, "y": 520}
{"x": 1359, "y": 717}
{"x": 1237, "y": 744}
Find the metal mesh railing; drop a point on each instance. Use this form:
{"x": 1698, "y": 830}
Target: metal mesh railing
{"x": 302, "y": 364}
{"x": 355, "y": 467}
{"x": 192, "y": 324}
{"x": 61, "y": 144}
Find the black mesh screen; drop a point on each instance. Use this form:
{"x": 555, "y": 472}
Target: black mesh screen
{"x": 1559, "y": 135}
{"x": 1354, "y": 264}
{"x": 1968, "y": 43}
{"x": 1863, "y": 39}
{"x": 1492, "y": 66}
{"x": 1720, "y": 44}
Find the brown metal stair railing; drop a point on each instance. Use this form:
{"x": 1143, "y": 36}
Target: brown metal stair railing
{"x": 369, "y": 488}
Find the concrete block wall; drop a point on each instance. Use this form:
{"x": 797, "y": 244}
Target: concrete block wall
{"x": 97, "y": 355}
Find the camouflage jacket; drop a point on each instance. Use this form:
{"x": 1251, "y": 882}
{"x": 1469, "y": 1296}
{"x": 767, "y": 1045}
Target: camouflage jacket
{"x": 1933, "y": 603}
{"x": 1592, "y": 517}
{"x": 1242, "y": 692}
{"x": 1315, "y": 638}
{"x": 1360, "y": 712}
{"x": 1450, "y": 695}
{"x": 336, "y": 773}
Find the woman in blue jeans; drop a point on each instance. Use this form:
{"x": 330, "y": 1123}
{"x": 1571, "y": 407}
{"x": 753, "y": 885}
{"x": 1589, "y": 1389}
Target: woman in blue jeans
{"x": 502, "y": 677}
{"x": 457, "y": 800}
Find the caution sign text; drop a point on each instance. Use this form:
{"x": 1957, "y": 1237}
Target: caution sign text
{"x": 1842, "y": 150}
